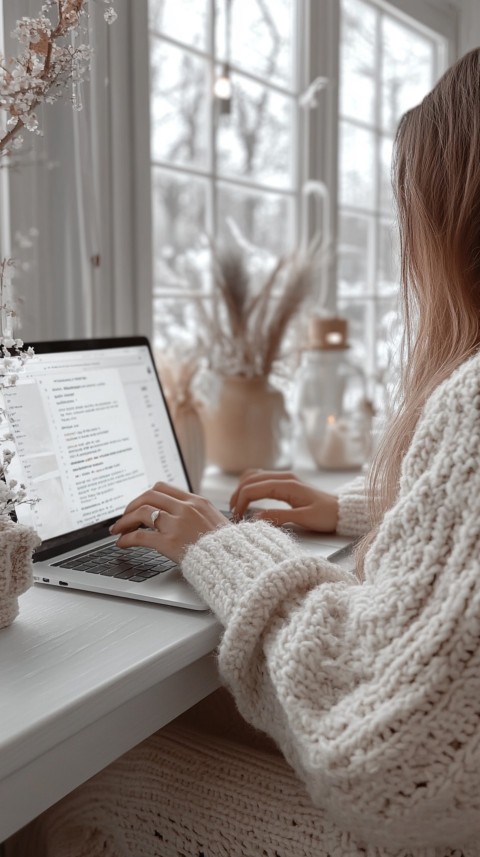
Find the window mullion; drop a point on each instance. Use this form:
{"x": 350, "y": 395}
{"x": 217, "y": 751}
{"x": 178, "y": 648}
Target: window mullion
{"x": 5, "y": 231}
{"x": 303, "y": 130}
{"x": 323, "y": 38}
{"x": 373, "y": 256}
{"x": 212, "y": 217}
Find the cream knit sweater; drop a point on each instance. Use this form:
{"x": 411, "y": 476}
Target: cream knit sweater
{"x": 371, "y": 690}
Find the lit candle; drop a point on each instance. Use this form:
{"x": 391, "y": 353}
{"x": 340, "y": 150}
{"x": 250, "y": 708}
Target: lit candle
{"x": 332, "y": 447}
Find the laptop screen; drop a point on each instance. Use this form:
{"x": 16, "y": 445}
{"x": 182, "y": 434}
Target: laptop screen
{"x": 91, "y": 432}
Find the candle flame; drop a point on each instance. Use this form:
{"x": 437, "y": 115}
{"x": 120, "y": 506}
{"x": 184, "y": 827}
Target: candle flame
{"x": 334, "y": 337}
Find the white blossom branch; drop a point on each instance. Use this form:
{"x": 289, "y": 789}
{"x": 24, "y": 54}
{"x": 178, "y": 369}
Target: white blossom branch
{"x": 47, "y": 63}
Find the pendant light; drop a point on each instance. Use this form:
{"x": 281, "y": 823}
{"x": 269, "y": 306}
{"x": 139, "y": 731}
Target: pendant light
{"x": 222, "y": 88}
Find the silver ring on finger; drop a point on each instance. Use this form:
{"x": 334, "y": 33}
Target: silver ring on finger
{"x": 153, "y": 517}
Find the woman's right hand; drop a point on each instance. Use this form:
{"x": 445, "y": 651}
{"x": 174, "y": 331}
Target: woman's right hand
{"x": 309, "y": 508}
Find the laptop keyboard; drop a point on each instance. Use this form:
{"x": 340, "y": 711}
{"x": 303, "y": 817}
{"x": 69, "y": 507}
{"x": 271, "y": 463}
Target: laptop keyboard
{"x": 135, "y": 564}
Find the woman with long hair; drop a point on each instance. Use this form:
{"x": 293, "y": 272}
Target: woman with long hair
{"x": 368, "y": 683}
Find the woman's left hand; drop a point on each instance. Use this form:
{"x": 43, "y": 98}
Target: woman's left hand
{"x": 182, "y": 519}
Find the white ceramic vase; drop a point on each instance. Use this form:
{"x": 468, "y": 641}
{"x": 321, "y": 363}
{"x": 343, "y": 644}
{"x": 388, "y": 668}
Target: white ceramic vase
{"x": 17, "y": 543}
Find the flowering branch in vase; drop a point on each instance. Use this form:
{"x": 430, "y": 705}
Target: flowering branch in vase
{"x": 54, "y": 55}
{"x": 17, "y": 541}
{"x": 13, "y": 356}
{"x": 49, "y": 60}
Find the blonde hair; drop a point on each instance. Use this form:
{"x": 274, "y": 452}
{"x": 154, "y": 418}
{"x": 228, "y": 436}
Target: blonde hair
{"x": 436, "y": 179}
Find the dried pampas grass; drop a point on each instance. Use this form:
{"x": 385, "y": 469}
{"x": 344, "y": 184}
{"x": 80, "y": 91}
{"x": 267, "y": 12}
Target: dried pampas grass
{"x": 243, "y": 329}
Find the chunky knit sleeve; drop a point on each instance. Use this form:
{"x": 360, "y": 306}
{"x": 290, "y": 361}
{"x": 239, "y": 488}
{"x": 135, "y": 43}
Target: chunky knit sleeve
{"x": 372, "y": 689}
{"x": 353, "y": 517}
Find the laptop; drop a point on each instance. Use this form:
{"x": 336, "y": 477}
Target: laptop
{"x": 92, "y": 431}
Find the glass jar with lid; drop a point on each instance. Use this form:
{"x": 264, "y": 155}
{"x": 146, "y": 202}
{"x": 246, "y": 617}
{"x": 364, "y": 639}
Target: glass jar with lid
{"x": 332, "y": 406}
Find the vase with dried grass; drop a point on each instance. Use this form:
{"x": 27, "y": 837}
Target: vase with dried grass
{"x": 243, "y": 331}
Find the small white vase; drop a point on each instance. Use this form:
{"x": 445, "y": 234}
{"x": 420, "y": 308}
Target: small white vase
{"x": 17, "y": 543}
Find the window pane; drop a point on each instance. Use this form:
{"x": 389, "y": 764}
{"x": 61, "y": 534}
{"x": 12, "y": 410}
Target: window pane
{"x": 255, "y": 139}
{"x": 386, "y": 192}
{"x": 368, "y": 245}
{"x": 357, "y": 62}
{"x": 375, "y": 331}
{"x": 388, "y": 275}
{"x": 178, "y": 213}
{"x": 388, "y": 347}
{"x": 408, "y": 62}
{"x": 178, "y": 104}
{"x": 263, "y": 219}
{"x": 184, "y": 20}
{"x": 261, "y": 37}
{"x": 174, "y": 322}
{"x": 353, "y": 242}
{"x": 357, "y": 165}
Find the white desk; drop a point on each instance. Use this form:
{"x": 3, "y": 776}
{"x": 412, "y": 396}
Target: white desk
{"x": 83, "y": 678}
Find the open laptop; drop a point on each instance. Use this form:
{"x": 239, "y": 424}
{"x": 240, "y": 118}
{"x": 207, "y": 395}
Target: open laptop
{"x": 92, "y": 431}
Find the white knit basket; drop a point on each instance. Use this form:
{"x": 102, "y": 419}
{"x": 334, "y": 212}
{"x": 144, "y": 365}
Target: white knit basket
{"x": 17, "y": 543}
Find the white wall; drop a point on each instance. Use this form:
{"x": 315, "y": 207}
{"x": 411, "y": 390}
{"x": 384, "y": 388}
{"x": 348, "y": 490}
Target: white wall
{"x": 469, "y": 30}
{"x": 76, "y": 187}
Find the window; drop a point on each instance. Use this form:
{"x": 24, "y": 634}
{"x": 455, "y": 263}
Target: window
{"x": 387, "y": 64}
{"x": 194, "y": 167}
{"x": 210, "y": 166}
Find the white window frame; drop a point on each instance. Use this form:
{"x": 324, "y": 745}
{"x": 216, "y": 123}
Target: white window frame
{"x": 118, "y": 296}
{"x": 314, "y": 152}
{"x": 317, "y": 130}
{"x": 210, "y": 175}
{"x": 437, "y": 24}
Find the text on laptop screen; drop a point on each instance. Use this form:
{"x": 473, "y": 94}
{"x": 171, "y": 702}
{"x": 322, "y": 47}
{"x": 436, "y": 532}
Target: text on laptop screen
{"x": 91, "y": 433}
